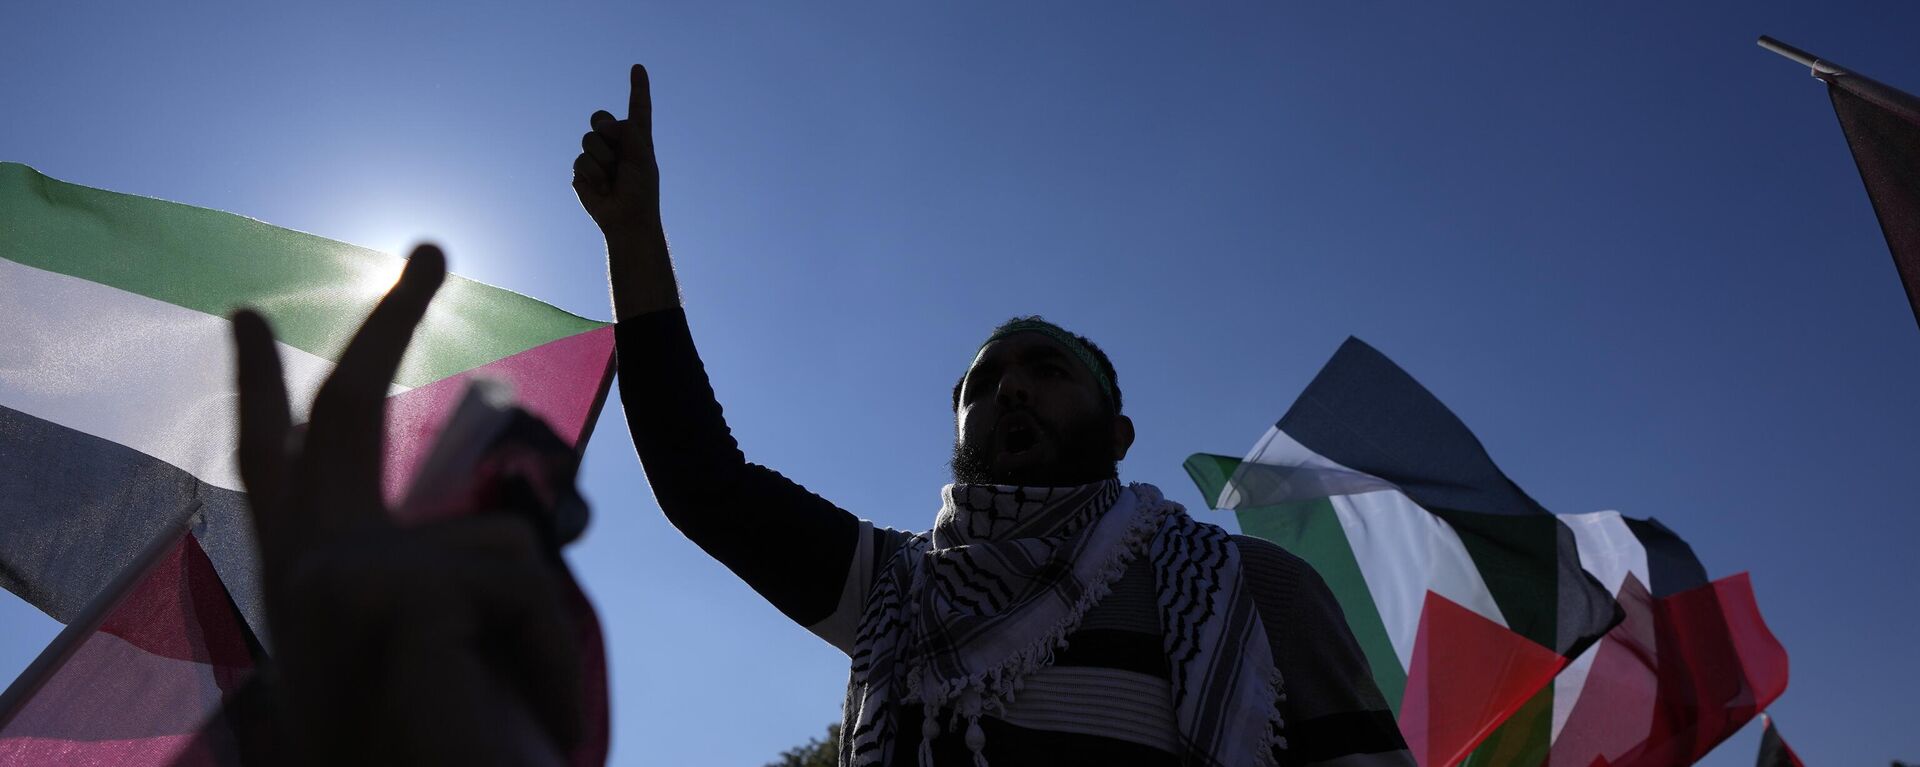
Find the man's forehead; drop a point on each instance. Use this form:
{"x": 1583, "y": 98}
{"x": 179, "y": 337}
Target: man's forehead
{"x": 1020, "y": 345}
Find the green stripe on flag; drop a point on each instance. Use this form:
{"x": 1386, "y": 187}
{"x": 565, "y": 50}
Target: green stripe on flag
{"x": 1524, "y": 738}
{"x": 1211, "y": 473}
{"x": 1311, "y": 531}
{"x": 314, "y": 289}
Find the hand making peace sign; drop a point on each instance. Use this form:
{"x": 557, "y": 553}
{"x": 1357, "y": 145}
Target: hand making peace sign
{"x": 444, "y": 643}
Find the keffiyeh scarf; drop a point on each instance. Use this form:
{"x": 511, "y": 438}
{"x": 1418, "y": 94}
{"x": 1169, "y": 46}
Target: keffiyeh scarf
{"x": 960, "y": 614}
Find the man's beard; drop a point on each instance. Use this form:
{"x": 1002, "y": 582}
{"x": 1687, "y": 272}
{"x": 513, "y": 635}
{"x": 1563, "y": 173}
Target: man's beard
{"x": 1084, "y": 455}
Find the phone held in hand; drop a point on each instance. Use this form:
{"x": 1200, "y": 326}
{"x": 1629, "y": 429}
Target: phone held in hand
{"x": 493, "y": 456}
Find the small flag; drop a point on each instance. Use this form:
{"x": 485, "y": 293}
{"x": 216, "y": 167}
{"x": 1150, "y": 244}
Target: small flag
{"x": 1882, "y": 127}
{"x": 1774, "y": 751}
{"x": 137, "y": 690}
{"x": 1466, "y": 596}
{"x": 117, "y": 420}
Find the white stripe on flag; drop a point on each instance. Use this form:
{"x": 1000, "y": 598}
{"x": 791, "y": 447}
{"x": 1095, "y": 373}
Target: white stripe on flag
{"x": 144, "y": 373}
{"x": 1609, "y": 551}
{"x": 1403, "y": 550}
{"x": 1281, "y": 470}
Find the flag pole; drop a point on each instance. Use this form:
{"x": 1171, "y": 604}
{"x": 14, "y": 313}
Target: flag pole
{"x": 83, "y": 625}
{"x": 1818, "y": 65}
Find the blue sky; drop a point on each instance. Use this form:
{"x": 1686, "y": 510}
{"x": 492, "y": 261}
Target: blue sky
{"x": 1627, "y": 246}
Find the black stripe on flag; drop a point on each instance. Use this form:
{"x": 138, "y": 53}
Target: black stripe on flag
{"x": 1774, "y": 751}
{"x": 78, "y": 508}
{"x": 1670, "y": 561}
{"x": 1366, "y": 413}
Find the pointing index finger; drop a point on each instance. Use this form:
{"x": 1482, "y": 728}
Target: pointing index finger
{"x": 640, "y": 106}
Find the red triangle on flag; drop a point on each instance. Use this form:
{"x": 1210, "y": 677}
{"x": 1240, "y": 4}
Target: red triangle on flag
{"x": 547, "y": 381}
{"x": 1468, "y": 675}
{"x": 140, "y": 689}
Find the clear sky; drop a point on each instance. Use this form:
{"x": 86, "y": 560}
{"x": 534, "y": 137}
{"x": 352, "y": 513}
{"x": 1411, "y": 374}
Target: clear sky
{"x": 1628, "y": 247}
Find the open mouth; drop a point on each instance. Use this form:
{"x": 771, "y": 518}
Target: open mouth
{"x": 1019, "y": 435}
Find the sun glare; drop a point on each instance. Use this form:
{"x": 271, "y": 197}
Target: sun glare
{"x": 380, "y": 276}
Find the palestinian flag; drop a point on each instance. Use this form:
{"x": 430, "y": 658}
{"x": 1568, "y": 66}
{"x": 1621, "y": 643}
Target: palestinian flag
{"x": 1774, "y": 751}
{"x": 1690, "y": 665}
{"x": 138, "y": 677}
{"x": 117, "y": 437}
{"x": 1465, "y": 595}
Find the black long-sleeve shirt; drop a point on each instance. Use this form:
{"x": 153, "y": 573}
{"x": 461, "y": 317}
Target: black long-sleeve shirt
{"x": 1104, "y": 700}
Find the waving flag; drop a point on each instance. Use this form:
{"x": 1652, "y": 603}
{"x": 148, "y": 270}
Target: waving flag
{"x": 117, "y": 424}
{"x": 1465, "y": 595}
{"x": 1690, "y": 665}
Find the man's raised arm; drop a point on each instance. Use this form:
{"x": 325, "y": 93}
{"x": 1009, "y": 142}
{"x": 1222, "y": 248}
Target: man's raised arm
{"x": 618, "y": 182}
{"x": 792, "y": 546}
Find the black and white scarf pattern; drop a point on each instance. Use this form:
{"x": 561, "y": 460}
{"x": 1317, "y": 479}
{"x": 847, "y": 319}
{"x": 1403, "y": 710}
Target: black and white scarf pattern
{"x": 960, "y": 614}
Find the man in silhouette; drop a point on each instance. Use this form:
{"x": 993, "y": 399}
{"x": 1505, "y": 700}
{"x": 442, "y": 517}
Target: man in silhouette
{"x": 1052, "y": 614}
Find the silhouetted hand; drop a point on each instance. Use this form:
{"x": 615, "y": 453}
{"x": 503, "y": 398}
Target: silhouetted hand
{"x": 618, "y": 182}
{"x": 615, "y": 175}
{"x": 444, "y": 643}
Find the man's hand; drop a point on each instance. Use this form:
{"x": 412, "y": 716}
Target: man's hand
{"x": 444, "y": 643}
{"x": 615, "y": 174}
{"x": 618, "y": 182}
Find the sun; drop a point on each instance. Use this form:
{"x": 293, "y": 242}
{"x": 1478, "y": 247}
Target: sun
{"x": 379, "y": 276}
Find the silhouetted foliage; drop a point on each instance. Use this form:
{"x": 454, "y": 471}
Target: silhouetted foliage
{"x": 815, "y": 753}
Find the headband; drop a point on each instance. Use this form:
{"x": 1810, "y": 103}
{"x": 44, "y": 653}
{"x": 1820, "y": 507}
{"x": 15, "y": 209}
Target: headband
{"x": 1066, "y": 339}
